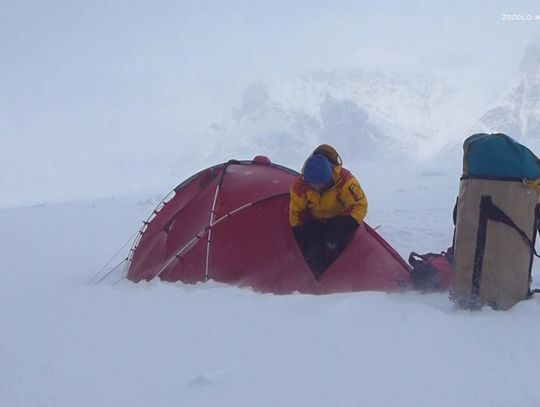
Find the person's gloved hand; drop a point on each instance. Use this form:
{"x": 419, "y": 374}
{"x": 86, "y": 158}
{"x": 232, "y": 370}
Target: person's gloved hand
{"x": 349, "y": 223}
{"x": 339, "y": 232}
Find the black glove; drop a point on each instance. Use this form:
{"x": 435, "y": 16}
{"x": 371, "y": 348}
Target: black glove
{"x": 352, "y": 223}
{"x": 339, "y": 230}
{"x": 343, "y": 224}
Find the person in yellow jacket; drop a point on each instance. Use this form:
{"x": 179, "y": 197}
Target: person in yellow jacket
{"x": 327, "y": 204}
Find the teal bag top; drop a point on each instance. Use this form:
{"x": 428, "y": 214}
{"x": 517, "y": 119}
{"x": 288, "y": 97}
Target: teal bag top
{"x": 498, "y": 156}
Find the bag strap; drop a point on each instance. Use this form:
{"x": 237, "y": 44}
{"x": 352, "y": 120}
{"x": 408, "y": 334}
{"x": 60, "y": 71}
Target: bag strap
{"x": 415, "y": 258}
{"x": 496, "y": 214}
{"x": 536, "y": 232}
{"x": 490, "y": 212}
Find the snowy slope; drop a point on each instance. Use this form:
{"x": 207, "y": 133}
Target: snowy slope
{"x": 66, "y": 343}
{"x": 518, "y": 112}
{"x": 369, "y": 113}
{"x": 70, "y": 153}
{"x": 107, "y": 99}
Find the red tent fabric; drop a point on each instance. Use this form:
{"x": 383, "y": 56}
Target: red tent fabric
{"x": 229, "y": 223}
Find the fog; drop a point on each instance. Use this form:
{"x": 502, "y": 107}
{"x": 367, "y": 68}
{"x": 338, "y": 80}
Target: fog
{"x": 106, "y": 98}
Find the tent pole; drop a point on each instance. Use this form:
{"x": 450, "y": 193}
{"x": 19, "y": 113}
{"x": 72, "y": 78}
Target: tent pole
{"x": 208, "y": 230}
{"x": 210, "y": 224}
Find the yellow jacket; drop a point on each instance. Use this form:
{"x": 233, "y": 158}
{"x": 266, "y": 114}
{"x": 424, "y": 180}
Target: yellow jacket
{"x": 344, "y": 197}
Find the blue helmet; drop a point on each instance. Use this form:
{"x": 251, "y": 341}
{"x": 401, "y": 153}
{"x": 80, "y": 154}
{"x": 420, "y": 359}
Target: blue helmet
{"x": 318, "y": 170}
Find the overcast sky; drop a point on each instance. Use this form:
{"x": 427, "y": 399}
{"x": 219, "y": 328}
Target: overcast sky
{"x": 69, "y": 52}
{"x": 118, "y": 78}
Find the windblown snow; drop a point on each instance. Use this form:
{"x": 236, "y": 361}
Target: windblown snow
{"x": 65, "y": 342}
{"x": 105, "y": 104}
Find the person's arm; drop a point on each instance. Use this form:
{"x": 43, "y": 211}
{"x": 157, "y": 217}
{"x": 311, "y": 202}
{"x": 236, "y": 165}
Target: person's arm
{"x": 355, "y": 198}
{"x": 297, "y": 204}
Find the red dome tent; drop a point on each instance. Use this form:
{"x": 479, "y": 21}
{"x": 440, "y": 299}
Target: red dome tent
{"x": 229, "y": 223}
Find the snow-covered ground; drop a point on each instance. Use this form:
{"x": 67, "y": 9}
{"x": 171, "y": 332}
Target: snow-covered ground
{"x": 64, "y": 342}
{"x": 115, "y": 98}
